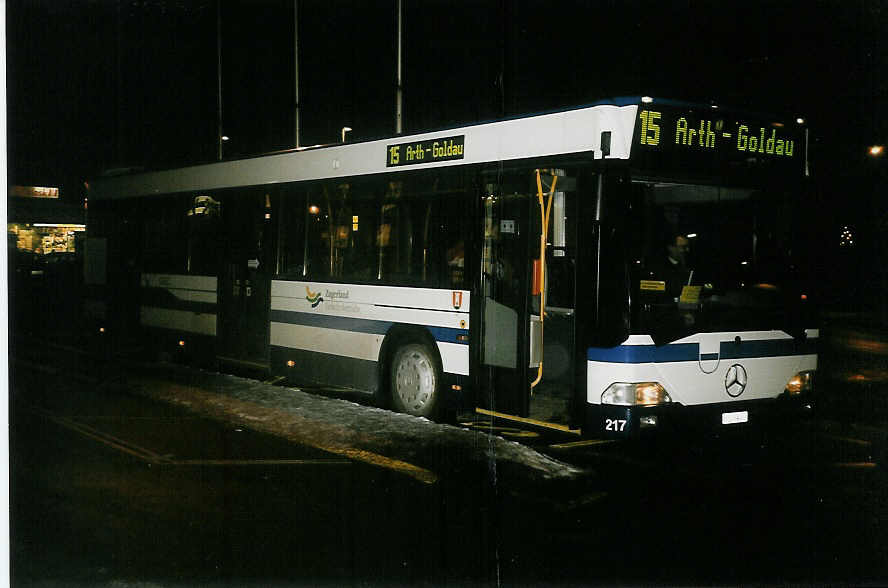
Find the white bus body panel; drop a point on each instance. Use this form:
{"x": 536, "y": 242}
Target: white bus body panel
{"x": 692, "y": 376}
{"x": 183, "y": 291}
{"x": 351, "y": 320}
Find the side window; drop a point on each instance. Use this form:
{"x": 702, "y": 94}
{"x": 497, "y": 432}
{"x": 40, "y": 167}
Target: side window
{"x": 408, "y": 230}
{"x": 405, "y": 224}
{"x": 340, "y": 229}
{"x": 203, "y": 219}
{"x": 316, "y": 256}
{"x": 428, "y": 222}
{"x": 454, "y": 224}
{"x": 293, "y": 217}
{"x": 165, "y": 244}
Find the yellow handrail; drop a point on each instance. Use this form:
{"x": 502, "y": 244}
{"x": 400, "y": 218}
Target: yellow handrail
{"x": 545, "y": 211}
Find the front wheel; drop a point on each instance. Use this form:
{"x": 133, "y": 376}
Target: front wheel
{"x": 416, "y": 381}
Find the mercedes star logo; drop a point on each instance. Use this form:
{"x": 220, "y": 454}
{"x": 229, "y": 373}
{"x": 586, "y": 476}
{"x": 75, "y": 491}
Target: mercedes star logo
{"x": 735, "y": 380}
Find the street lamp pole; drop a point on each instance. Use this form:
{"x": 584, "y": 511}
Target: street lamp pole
{"x": 296, "y": 68}
{"x": 219, "y": 78}
{"x": 399, "y": 102}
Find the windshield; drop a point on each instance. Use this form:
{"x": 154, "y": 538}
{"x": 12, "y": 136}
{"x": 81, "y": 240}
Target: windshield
{"x": 712, "y": 258}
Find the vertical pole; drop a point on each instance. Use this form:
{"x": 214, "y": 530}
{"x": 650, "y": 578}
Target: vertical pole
{"x": 296, "y": 69}
{"x": 119, "y": 135}
{"x": 399, "y": 104}
{"x": 219, "y": 78}
{"x": 599, "y": 197}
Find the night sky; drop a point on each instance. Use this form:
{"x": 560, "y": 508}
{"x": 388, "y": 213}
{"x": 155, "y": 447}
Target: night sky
{"x": 99, "y": 84}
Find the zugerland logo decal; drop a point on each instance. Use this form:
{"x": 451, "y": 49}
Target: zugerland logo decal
{"x": 457, "y": 300}
{"x": 313, "y": 298}
{"x": 735, "y": 380}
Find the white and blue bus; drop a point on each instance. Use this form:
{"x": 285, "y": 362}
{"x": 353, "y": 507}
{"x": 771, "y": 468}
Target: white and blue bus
{"x": 633, "y": 264}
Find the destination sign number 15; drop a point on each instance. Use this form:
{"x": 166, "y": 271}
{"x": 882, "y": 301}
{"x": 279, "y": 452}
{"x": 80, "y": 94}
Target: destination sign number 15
{"x": 709, "y": 134}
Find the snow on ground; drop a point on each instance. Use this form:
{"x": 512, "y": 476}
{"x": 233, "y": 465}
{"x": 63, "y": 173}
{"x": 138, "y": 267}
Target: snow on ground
{"x": 415, "y": 446}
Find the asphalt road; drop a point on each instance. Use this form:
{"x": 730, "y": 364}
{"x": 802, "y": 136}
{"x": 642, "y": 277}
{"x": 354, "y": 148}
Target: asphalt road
{"x": 111, "y": 488}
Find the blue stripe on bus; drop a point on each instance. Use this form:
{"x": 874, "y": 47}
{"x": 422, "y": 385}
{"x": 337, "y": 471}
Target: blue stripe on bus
{"x": 644, "y": 353}
{"x": 324, "y": 321}
{"x": 691, "y": 351}
{"x": 449, "y": 335}
{"x": 358, "y": 325}
{"x": 769, "y": 348}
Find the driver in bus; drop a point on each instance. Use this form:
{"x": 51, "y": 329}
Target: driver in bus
{"x": 675, "y": 269}
{"x": 677, "y": 251}
{"x": 667, "y": 278}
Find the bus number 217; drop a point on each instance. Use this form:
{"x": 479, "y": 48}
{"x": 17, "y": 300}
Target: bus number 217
{"x": 614, "y": 425}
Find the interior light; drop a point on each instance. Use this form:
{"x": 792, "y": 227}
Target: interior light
{"x": 800, "y": 120}
{"x": 691, "y": 235}
{"x": 291, "y": 363}
{"x": 647, "y": 99}
{"x": 181, "y": 343}
{"x": 313, "y": 209}
{"x": 876, "y": 150}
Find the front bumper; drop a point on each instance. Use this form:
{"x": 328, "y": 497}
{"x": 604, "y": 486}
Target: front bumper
{"x": 632, "y": 421}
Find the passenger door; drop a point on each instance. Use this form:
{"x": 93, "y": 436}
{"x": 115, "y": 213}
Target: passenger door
{"x": 515, "y": 342}
{"x": 504, "y": 285}
{"x": 245, "y": 280}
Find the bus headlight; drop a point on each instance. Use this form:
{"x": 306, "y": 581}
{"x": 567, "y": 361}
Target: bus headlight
{"x": 635, "y": 394}
{"x": 802, "y": 382}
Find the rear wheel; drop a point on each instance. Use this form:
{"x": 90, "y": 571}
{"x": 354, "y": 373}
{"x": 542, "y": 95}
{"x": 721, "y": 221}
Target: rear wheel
{"x": 416, "y": 380}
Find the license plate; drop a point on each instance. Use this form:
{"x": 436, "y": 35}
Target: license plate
{"x": 732, "y": 418}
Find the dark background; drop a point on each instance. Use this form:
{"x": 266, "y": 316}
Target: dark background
{"x": 101, "y": 84}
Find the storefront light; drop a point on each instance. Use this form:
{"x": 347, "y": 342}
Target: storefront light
{"x": 71, "y": 227}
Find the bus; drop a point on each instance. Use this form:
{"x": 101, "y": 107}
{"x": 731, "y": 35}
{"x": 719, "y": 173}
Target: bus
{"x": 634, "y": 264}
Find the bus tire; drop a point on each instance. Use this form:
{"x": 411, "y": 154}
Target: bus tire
{"x": 415, "y": 380}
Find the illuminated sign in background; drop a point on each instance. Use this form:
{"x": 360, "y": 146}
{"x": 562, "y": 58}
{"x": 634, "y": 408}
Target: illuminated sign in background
{"x": 431, "y": 151}
{"x": 33, "y": 192}
{"x": 681, "y": 138}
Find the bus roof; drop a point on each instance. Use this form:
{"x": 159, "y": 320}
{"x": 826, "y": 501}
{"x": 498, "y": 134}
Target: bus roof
{"x": 577, "y": 130}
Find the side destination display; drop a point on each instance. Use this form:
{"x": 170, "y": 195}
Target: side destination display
{"x": 431, "y": 151}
